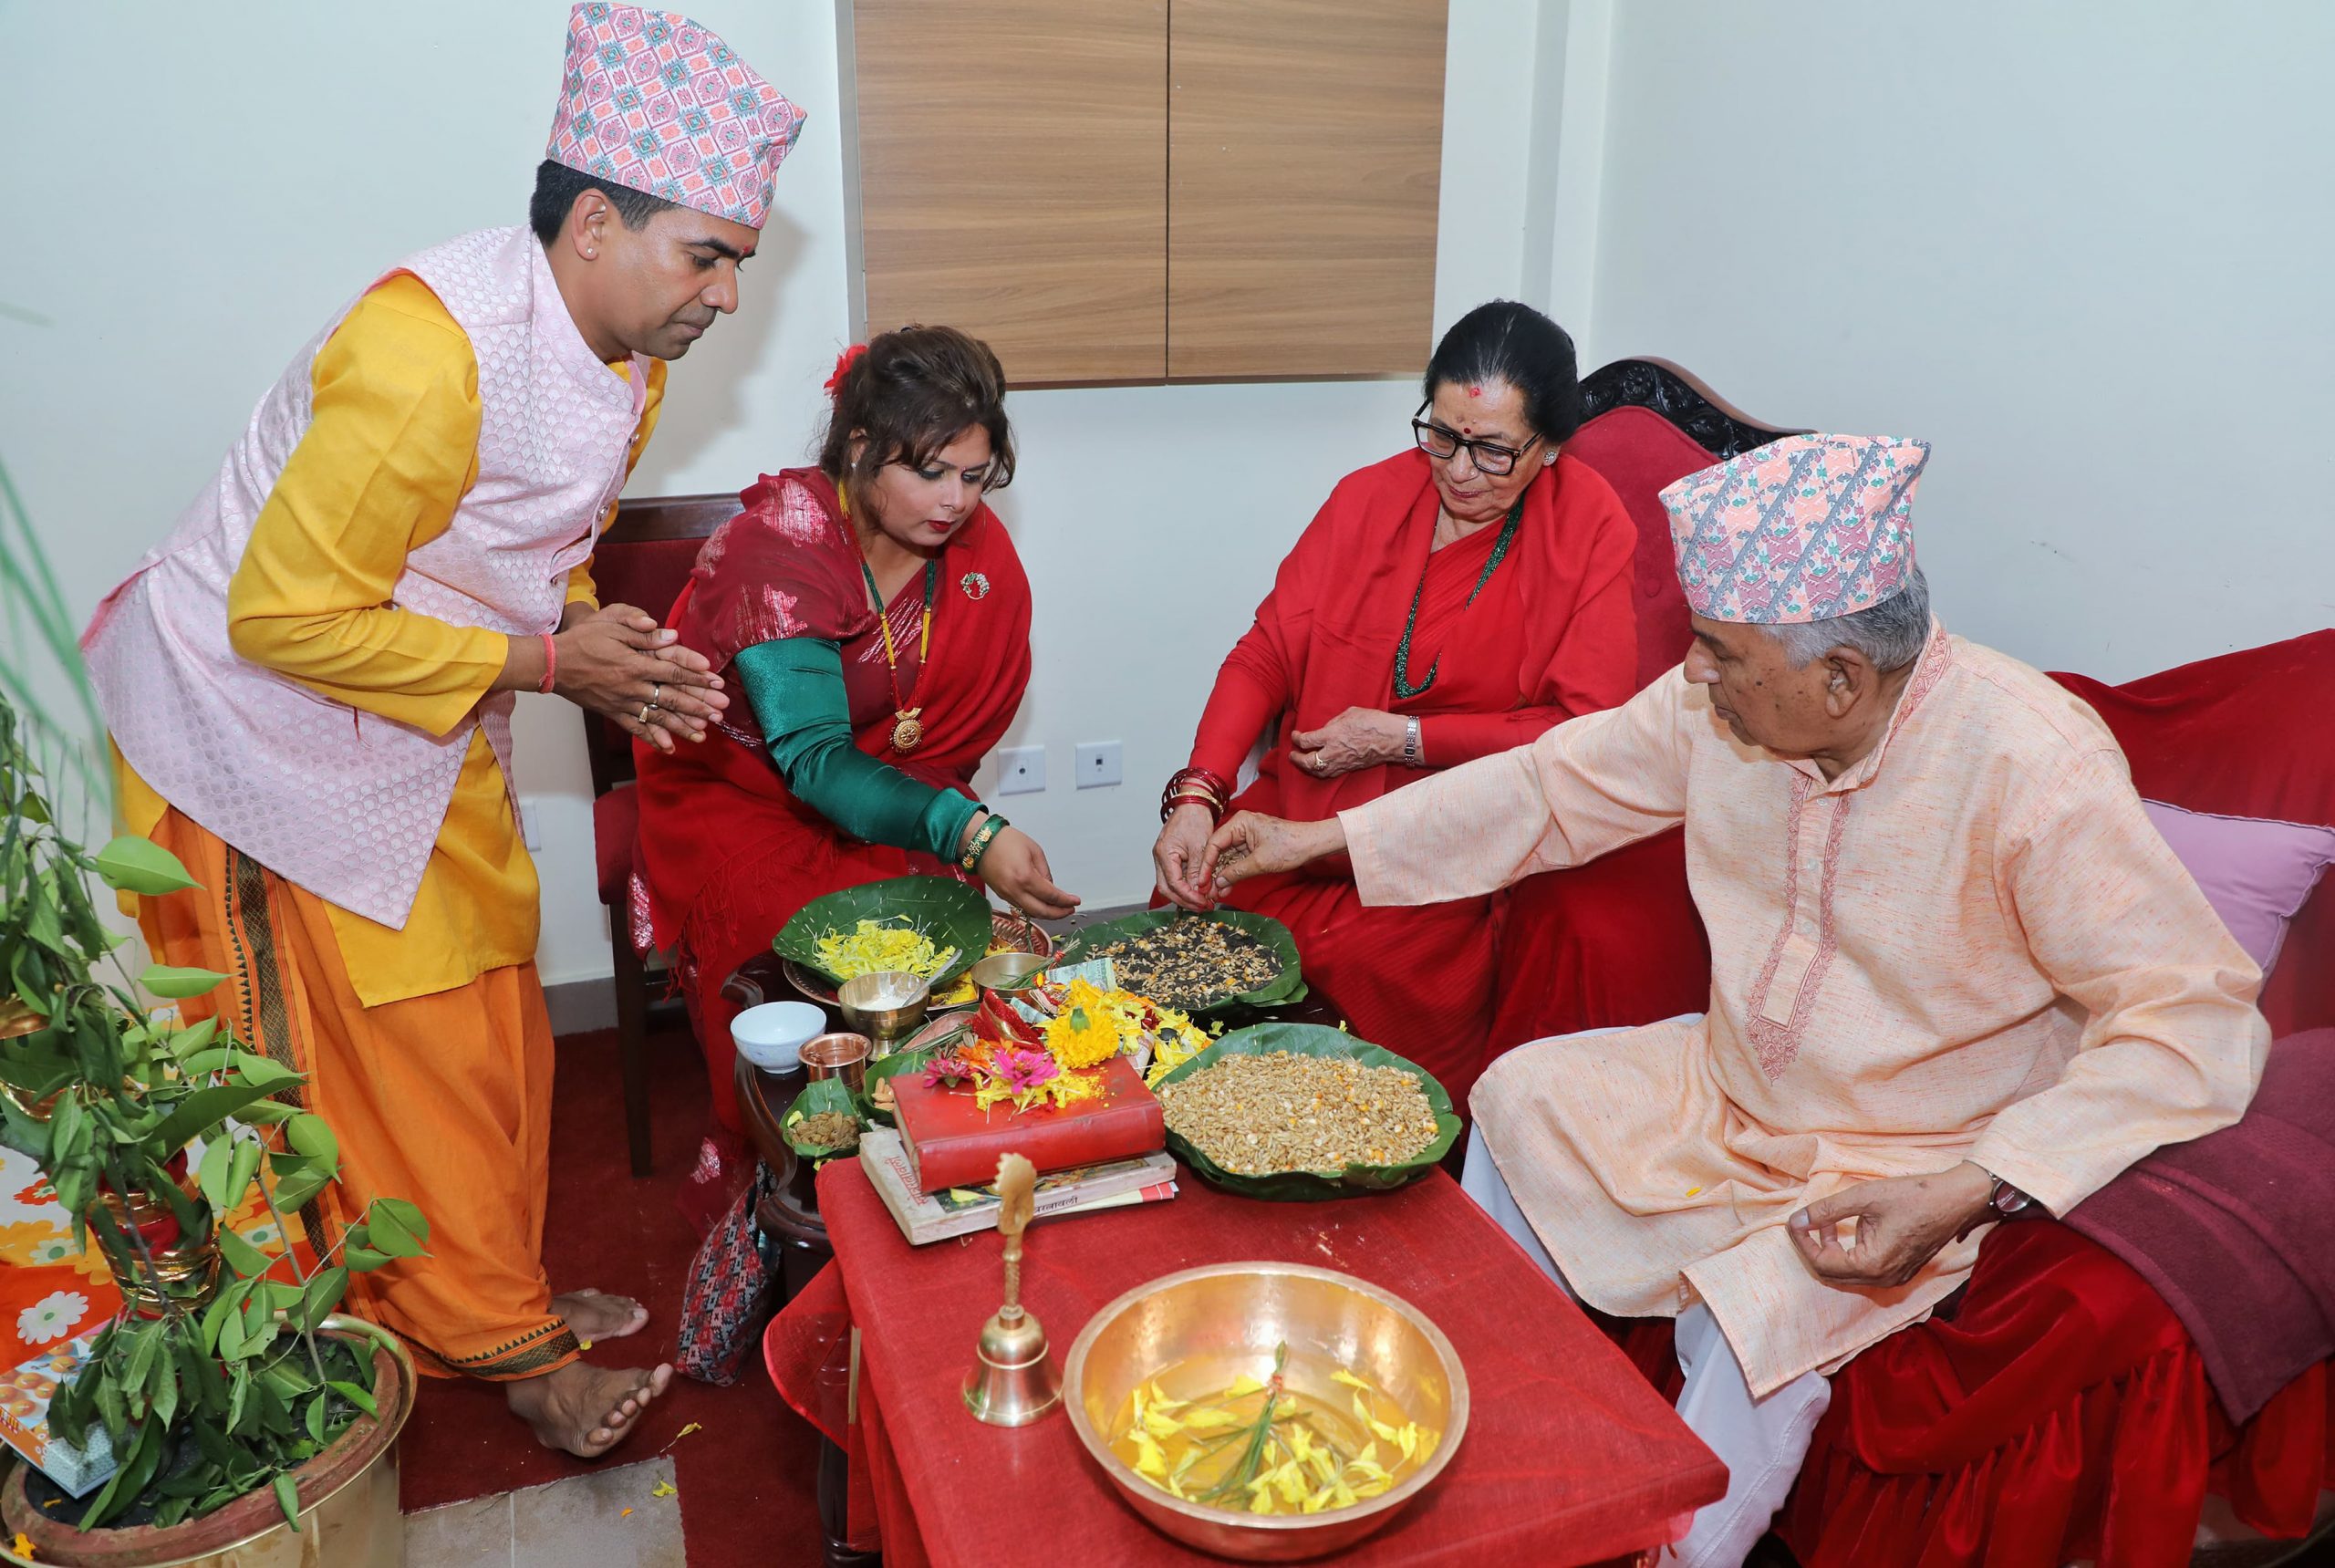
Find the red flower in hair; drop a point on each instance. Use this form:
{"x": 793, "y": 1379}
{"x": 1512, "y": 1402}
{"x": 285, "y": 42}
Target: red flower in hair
{"x": 844, "y": 362}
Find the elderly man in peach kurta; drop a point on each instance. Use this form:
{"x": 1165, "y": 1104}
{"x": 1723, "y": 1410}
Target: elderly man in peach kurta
{"x": 1947, "y": 949}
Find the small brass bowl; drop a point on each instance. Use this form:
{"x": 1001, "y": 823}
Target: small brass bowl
{"x": 1228, "y": 1318}
{"x": 1009, "y": 972}
{"x": 885, "y": 1005}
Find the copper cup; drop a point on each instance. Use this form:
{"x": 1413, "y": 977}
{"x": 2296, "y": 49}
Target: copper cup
{"x": 840, "y": 1056}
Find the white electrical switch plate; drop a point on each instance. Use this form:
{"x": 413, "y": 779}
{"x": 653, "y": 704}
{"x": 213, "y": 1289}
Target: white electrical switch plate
{"x": 1098, "y": 764}
{"x": 1021, "y": 770}
{"x": 531, "y": 825}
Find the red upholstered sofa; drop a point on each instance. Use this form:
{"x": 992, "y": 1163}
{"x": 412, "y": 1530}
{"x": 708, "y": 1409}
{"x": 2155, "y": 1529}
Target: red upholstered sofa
{"x": 2059, "y": 1412}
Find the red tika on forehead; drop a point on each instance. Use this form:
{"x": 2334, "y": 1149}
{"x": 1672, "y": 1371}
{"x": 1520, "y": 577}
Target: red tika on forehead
{"x": 1475, "y": 391}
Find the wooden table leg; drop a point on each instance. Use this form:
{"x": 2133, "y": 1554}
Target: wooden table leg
{"x": 835, "y": 1512}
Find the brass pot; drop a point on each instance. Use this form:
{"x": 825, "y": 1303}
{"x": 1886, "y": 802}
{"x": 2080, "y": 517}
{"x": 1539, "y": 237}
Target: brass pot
{"x": 348, "y": 1500}
{"x": 1233, "y": 1315}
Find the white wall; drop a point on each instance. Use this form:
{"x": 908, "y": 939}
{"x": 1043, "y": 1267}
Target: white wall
{"x": 186, "y": 214}
{"x": 2083, "y": 247}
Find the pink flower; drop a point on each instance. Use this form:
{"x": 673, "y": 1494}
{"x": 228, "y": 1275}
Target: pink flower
{"x": 1025, "y": 1071}
{"x": 949, "y": 1070}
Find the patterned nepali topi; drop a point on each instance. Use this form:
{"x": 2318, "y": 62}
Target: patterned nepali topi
{"x": 654, "y": 101}
{"x": 1802, "y": 529}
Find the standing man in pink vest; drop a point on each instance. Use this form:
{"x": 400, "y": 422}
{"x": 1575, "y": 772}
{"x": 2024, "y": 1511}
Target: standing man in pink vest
{"x": 309, "y": 684}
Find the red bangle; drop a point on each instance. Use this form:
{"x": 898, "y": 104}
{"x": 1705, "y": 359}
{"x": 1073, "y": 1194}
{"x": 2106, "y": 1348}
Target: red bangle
{"x": 1195, "y": 786}
{"x": 551, "y": 663}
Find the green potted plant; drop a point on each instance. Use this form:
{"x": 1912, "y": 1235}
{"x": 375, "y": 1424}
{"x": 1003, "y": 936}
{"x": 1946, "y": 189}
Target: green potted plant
{"x": 236, "y": 1399}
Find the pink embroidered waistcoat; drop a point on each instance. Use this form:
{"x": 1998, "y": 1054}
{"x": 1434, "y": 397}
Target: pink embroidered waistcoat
{"x": 343, "y": 803}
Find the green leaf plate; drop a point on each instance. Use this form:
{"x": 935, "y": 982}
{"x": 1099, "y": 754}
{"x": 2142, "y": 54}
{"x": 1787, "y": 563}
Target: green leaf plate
{"x": 1284, "y": 988}
{"x": 952, "y": 913}
{"x": 1306, "y": 1186}
{"x": 820, "y": 1095}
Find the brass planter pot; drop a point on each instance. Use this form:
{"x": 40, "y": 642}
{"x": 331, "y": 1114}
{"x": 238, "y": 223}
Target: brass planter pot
{"x": 348, "y": 1500}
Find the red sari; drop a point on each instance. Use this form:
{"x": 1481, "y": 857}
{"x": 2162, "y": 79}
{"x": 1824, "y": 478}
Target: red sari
{"x": 728, "y": 854}
{"x": 1553, "y": 633}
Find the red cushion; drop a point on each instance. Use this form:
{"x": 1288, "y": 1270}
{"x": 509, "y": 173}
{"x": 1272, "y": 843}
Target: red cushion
{"x": 616, "y": 823}
{"x": 1637, "y": 452}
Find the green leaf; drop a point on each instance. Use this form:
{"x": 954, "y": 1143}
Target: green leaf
{"x": 267, "y": 1113}
{"x": 287, "y": 1498}
{"x": 66, "y": 1129}
{"x": 194, "y": 1037}
{"x": 145, "y": 1343}
{"x": 134, "y": 865}
{"x": 325, "y": 1287}
{"x": 176, "y": 982}
{"x": 416, "y": 1223}
{"x": 162, "y": 1388}
{"x": 242, "y": 1257}
{"x": 364, "y": 1259}
{"x": 293, "y": 1191}
{"x": 356, "y": 1397}
{"x": 952, "y": 913}
{"x": 202, "y": 1109}
{"x": 218, "y": 1159}
{"x": 258, "y": 1069}
{"x": 239, "y": 1178}
{"x": 312, "y": 1135}
{"x": 388, "y": 1233}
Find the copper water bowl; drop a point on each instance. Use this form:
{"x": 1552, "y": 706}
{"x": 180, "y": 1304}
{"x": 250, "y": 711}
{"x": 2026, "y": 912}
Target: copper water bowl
{"x": 1229, "y": 1318}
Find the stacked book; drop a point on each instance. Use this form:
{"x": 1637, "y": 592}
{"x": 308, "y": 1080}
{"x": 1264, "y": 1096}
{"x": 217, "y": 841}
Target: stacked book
{"x": 960, "y": 1210}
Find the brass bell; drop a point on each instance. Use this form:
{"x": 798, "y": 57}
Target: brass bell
{"x": 1014, "y": 1380}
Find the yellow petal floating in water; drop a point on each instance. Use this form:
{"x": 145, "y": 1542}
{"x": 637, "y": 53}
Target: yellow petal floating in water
{"x": 1148, "y": 1460}
{"x": 1159, "y": 1424}
{"x": 1342, "y": 1496}
{"x": 1369, "y": 1456}
{"x": 1261, "y": 1503}
{"x": 1326, "y": 1465}
{"x": 1175, "y": 1481}
{"x": 1408, "y": 1437}
{"x": 1160, "y": 1401}
{"x": 1386, "y": 1431}
{"x": 1290, "y": 1483}
{"x": 1362, "y": 1410}
{"x": 1210, "y": 1420}
{"x": 1349, "y": 1379}
{"x": 1301, "y": 1443}
{"x": 1315, "y": 1503}
{"x": 1244, "y": 1384}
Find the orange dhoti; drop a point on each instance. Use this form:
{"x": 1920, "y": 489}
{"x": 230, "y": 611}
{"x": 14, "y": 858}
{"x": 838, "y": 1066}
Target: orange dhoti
{"x": 443, "y": 1100}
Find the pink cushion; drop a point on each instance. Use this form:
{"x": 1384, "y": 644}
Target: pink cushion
{"x": 2255, "y": 872}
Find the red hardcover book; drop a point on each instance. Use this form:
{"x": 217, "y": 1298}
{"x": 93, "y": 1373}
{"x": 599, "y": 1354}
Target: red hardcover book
{"x": 951, "y": 1142}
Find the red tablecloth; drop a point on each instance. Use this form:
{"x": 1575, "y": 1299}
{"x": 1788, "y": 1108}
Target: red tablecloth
{"x": 1568, "y": 1456}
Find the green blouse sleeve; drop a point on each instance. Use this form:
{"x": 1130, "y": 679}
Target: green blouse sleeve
{"x": 795, "y": 685}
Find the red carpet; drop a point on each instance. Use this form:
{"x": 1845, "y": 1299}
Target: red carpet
{"x": 747, "y": 1475}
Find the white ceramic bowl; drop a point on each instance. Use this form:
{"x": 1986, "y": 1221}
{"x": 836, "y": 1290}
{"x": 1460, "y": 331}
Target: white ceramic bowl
{"x": 771, "y": 1036}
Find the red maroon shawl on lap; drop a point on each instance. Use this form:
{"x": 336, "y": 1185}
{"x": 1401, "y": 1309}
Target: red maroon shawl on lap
{"x": 2237, "y": 1229}
{"x": 728, "y": 853}
{"x": 1553, "y": 634}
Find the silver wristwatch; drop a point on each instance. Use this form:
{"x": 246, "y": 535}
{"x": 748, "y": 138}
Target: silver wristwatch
{"x": 2007, "y": 1199}
{"x": 1414, "y": 755}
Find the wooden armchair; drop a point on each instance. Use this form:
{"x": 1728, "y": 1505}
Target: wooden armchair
{"x": 643, "y": 559}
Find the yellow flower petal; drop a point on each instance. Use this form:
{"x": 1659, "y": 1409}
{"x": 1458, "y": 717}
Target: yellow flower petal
{"x": 1384, "y": 1430}
{"x": 1301, "y": 1443}
{"x": 1244, "y": 1384}
{"x": 1159, "y": 1424}
{"x": 664, "y": 1489}
{"x": 1349, "y": 1379}
{"x": 1148, "y": 1460}
{"x": 1210, "y": 1420}
{"x": 1408, "y": 1437}
{"x": 1261, "y": 1503}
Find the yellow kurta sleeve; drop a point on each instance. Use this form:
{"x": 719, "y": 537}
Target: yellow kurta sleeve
{"x": 387, "y": 458}
{"x": 2173, "y": 1045}
{"x": 580, "y": 586}
{"x": 1587, "y": 787}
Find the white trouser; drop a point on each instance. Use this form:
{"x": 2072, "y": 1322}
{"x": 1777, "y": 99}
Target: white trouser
{"x": 1760, "y": 1442}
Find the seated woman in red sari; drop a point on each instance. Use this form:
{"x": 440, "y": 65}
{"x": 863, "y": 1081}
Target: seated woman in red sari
{"x": 879, "y": 621}
{"x": 1450, "y": 602}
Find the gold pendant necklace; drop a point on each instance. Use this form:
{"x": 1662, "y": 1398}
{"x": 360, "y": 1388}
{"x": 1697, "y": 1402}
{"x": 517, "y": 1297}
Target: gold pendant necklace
{"x": 907, "y": 724}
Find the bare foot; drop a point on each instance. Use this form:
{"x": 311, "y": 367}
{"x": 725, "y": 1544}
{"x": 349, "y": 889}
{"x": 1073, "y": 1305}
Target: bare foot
{"x": 595, "y": 1316}
{"x": 584, "y": 1410}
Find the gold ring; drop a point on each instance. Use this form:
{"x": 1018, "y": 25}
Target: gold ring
{"x": 646, "y": 709}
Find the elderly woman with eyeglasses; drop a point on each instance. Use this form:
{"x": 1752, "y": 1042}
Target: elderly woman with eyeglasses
{"x": 1454, "y": 600}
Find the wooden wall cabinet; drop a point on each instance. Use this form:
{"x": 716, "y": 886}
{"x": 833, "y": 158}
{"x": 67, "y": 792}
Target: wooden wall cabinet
{"x": 1139, "y": 191}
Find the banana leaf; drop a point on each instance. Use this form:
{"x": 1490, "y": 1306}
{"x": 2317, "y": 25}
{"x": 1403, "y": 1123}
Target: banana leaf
{"x": 820, "y": 1095}
{"x": 1285, "y": 987}
{"x": 1306, "y": 1186}
{"x": 952, "y": 913}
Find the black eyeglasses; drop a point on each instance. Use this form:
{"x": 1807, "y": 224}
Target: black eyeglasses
{"x": 1488, "y": 456}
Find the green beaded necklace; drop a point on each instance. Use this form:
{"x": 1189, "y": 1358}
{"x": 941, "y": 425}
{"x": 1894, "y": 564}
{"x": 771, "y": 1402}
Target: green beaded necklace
{"x": 1404, "y": 690}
